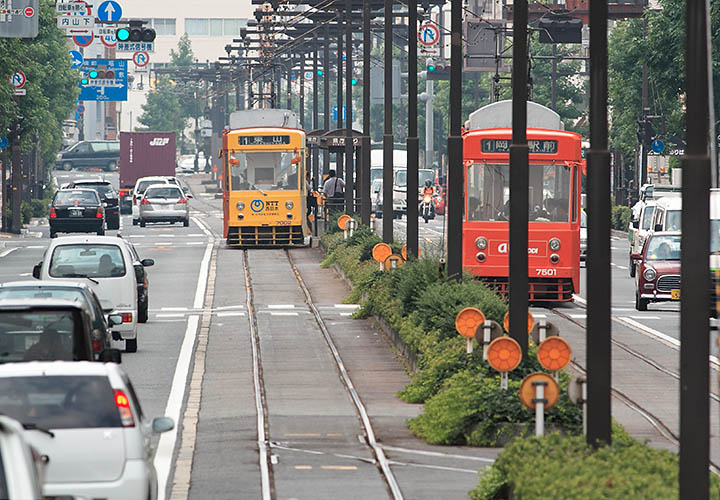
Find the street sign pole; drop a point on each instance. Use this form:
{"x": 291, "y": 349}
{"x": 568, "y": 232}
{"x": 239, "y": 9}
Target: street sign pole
{"x": 388, "y": 215}
{"x": 519, "y": 182}
{"x": 412, "y": 138}
{"x": 695, "y": 275}
{"x": 349, "y": 149}
{"x": 365, "y": 149}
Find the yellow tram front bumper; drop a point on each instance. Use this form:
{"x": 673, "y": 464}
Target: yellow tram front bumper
{"x": 265, "y": 236}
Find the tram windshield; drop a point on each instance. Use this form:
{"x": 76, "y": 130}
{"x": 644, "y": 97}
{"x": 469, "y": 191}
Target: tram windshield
{"x": 271, "y": 170}
{"x": 488, "y": 192}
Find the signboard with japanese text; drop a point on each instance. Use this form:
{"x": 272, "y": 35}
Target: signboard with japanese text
{"x": 19, "y": 18}
{"x": 110, "y": 83}
{"x": 135, "y": 47}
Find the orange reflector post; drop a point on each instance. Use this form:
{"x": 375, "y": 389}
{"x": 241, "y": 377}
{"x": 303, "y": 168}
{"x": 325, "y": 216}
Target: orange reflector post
{"x": 392, "y": 261}
{"x": 504, "y": 354}
{"x": 468, "y": 320}
{"x": 381, "y": 251}
{"x": 506, "y": 322}
{"x": 554, "y": 353}
{"x": 528, "y": 391}
{"x": 342, "y": 221}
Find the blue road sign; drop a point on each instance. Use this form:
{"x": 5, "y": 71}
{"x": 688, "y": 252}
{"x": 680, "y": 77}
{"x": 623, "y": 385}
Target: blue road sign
{"x": 77, "y": 58}
{"x": 335, "y": 113}
{"x": 83, "y": 40}
{"x": 110, "y": 83}
{"x": 109, "y": 11}
{"x": 657, "y": 146}
{"x": 3, "y": 142}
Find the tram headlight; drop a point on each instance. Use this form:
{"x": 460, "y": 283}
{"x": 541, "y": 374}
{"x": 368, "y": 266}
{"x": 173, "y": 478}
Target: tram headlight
{"x": 480, "y": 257}
{"x": 554, "y": 258}
{"x": 289, "y": 205}
{"x": 480, "y": 243}
{"x": 554, "y": 244}
{"x": 649, "y": 274}
{"x": 289, "y": 215}
{"x": 241, "y": 216}
{"x": 240, "y": 205}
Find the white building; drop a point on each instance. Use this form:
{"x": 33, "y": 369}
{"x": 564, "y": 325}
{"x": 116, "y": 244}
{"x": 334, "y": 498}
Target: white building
{"x": 211, "y": 25}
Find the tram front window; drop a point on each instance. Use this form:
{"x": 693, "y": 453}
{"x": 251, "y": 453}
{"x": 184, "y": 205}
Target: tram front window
{"x": 264, "y": 171}
{"x": 488, "y": 192}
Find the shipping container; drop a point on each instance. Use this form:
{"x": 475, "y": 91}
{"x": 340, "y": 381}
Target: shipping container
{"x": 143, "y": 154}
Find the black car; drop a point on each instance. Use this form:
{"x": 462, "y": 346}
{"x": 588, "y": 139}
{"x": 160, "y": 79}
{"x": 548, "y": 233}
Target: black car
{"x": 85, "y": 155}
{"x": 143, "y": 284}
{"x": 49, "y": 330}
{"x": 78, "y": 211}
{"x": 67, "y": 290}
{"x": 107, "y": 194}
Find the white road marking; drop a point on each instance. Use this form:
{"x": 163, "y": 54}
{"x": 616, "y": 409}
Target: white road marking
{"x": 166, "y": 446}
{"x": 283, "y": 313}
{"x": 229, "y": 313}
{"x": 624, "y": 268}
{"x": 347, "y": 306}
{"x": 640, "y": 318}
{"x": 438, "y": 454}
{"x": 173, "y": 308}
{"x": 577, "y": 316}
{"x": 222, "y": 308}
{"x": 281, "y": 306}
{"x": 34, "y": 247}
{"x": 195, "y": 243}
{"x": 25, "y": 274}
{"x": 170, "y": 315}
{"x": 7, "y": 252}
{"x": 136, "y": 236}
{"x": 539, "y": 316}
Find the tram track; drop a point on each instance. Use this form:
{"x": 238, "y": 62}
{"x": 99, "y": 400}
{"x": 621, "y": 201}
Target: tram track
{"x": 654, "y": 420}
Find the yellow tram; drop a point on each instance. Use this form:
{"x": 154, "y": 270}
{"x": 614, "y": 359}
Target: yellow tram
{"x": 264, "y": 187}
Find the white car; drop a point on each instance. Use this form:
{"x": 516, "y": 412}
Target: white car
{"x": 164, "y": 203}
{"x": 107, "y": 265}
{"x": 86, "y": 418}
{"x": 21, "y": 467}
{"x": 139, "y": 190}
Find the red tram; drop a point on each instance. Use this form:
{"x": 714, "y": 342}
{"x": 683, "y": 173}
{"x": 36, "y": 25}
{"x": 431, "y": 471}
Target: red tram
{"x": 554, "y": 201}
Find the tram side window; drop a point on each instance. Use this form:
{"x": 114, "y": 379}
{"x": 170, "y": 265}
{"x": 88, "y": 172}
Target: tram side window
{"x": 488, "y": 193}
{"x": 264, "y": 170}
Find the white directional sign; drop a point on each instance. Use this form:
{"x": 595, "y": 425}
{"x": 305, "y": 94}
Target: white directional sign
{"x": 76, "y": 24}
{"x": 429, "y": 39}
{"x": 65, "y": 8}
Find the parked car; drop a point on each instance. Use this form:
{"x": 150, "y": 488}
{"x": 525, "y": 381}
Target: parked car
{"x": 143, "y": 284}
{"x": 90, "y": 154}
{"x": 76, "y": 210}
{"x": 51, "y": 329}
{"x": 86, "y": 418}
{"x": 22, "y": 468}
{"x": 658, "y": 270}
{"x": 164, "y": 203}
{"x": 107, "y": 265}
{"x": 668, "y": 214}
{"x": 583, "y": 234}
{"x": 107, "y": 194}
{"x": 68, "y": 290}
{"x": 139, "y": 190}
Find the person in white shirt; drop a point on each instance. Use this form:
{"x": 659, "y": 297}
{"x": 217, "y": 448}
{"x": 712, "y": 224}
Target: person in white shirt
{"x": 334, "y": 188}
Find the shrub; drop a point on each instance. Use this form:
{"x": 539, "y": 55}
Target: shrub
{"x": 620, "y": 217}
{"x": 40, "y": 207}
{"x": 561, "y": 467}
{"x": 26, "y": 212}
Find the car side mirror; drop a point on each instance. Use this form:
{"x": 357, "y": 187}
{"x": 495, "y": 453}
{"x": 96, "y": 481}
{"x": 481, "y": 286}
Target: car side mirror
{"x": 162, "y": 424}
{"x": 635, "y": 256}
{"x": 658, "y": 227}
{"x": 147, "y": 262}
{"x": 189, "y": 195}
{"x": 111, "y": 356}
{"x": 36, "y": 270}
{"x": 115, "y": 319}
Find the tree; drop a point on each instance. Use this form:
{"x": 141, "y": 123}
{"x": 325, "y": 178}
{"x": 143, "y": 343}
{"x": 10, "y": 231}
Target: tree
{"x": 162, "y": 111}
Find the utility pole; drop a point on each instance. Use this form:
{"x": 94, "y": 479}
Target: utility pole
{"x": 456, "y": 175}
{"x": 339, "y": 156}
{"x": 429, "y": 124}
{"x": 412, "y": 138}
{"x": 17, "y": 184}
{"x": 326, "y": 95}
{"x": 388, "y": 216}
{"x": 349, "y": 163}
{"x": 365, "y": 148}
{"x": 642, "y": 178}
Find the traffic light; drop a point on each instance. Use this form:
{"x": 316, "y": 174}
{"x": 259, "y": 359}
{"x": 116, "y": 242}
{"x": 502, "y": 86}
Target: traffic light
{"x": 135, "y": 34}
{"x": 354, "y": 80}
{"x": 560, "y": 29}
{"x": 437, "y": 70}
{"x": 320, "y": 72}
{"x": 92, "y": 73}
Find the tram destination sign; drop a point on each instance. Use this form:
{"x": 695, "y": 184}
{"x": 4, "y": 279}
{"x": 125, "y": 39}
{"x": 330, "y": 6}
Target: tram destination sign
{"x": 503, "y": 146}
{"x": 263, "y": 140}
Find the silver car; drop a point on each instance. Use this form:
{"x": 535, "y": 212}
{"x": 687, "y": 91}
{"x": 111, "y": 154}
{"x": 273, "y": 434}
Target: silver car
{"x": 86, "y": 418}
{"x": 164, "y": 203}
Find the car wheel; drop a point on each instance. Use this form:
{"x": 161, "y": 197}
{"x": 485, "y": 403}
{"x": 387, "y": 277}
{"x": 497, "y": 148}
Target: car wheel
{"x": 135, "y": 222}
{"x": 67, "y": 166}
{"x": 131, "y": 345}
{"x": 53, "y": 234}
{"x": 101, "y": 231}
{"x": 632, "y": 268}
{"x": 142, "y": 223}
{"x": 186, "y": 222}
{"x": 115, "y": 224}
{"x": 641, "y": 304}
{"x": 143, "y": 312}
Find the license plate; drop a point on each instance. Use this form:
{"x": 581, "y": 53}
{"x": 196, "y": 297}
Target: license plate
{"x": 675, "y": 294}
{"x": 76, "y": 213}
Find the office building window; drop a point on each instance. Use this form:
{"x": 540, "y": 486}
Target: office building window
{"x": 164, "y": 26}
{"x": 214, "y": 27}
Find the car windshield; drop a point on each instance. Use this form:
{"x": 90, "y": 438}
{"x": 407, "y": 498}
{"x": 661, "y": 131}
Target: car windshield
{"x": 81, "y": 198}
{"x": 87, "y": 260}
{"x": 673, "y": 220}
{"x": 647, "y": 217}
{"x": 663, "y": 248}
{"x": 488, "y": 192}
{"x": 583, "y": 218}
{"x": 265, "y": 170}
{"x": 102, "y": 189}
{"x": 169, "y": 192}
{"x": 143, "y": 185}
{"x": 376, "y": 173}
{"x": 715, "y": 236}
{"x": 425, "y": 175}
{"x": 60, "y": 402}
{"x": 38, "y": 335}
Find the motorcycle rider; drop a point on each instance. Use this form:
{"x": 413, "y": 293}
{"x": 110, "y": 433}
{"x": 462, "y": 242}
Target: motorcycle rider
{"x": 428, "y": 190}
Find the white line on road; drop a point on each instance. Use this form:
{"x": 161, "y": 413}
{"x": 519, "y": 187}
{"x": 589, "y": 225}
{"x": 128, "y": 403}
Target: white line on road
{"x": 437, "y": 454}
{"x": 173, "y": 308}
{"x": 170, "y": 315}
{"x": 347, "y": 306}
{"x": 624, "y": 268}
{"x": 640, "y": 318}
{"x": 273, "y": 313}
{"x": 166, "y": 446}
{"x": 7, "y": 252}
{"x": 229, "y": 313}
{"x": 281, "y": 306}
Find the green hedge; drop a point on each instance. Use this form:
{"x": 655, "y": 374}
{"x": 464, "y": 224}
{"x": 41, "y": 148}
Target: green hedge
{"x": 620, "y": 217}
{"x": 463, "y": 400}
{"x": 557, "y": 467}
